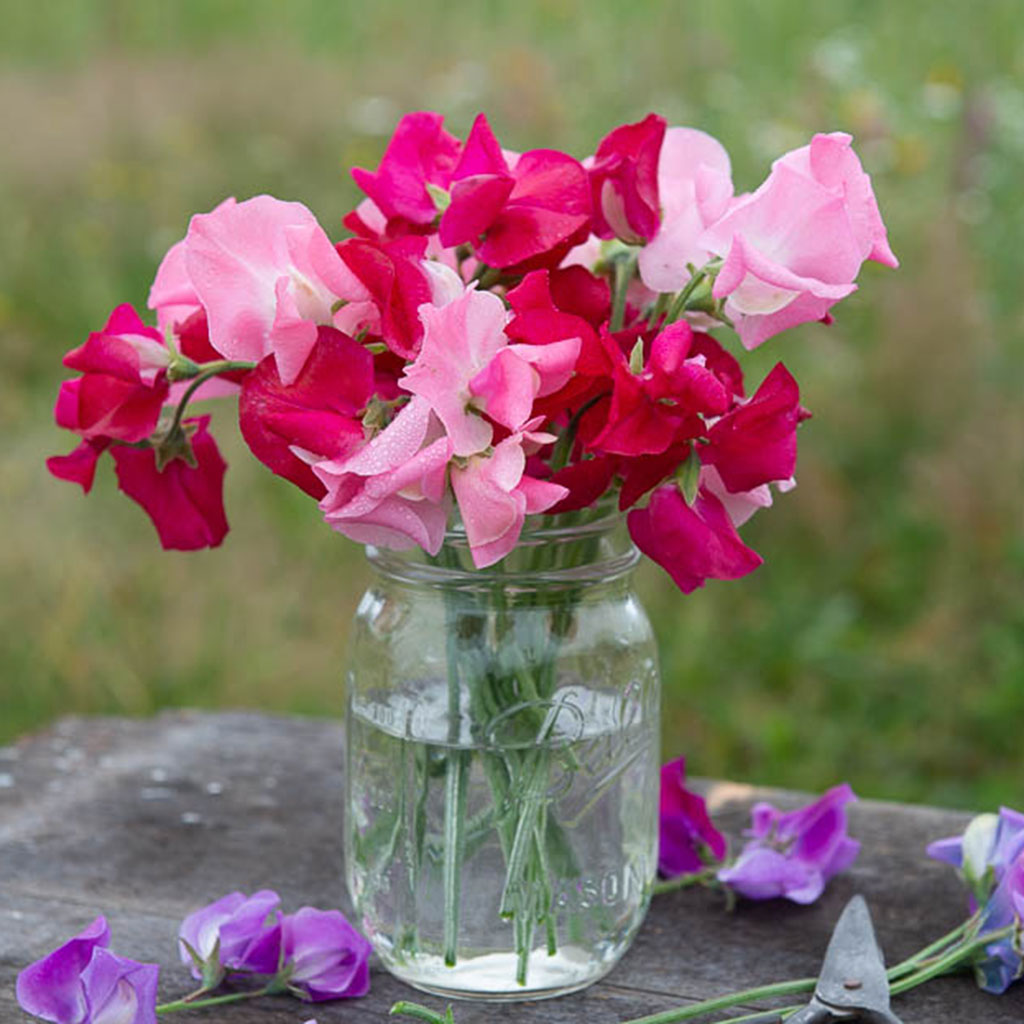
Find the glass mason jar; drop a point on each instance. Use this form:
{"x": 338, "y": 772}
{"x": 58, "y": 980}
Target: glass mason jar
{"x": 502, "y": 764}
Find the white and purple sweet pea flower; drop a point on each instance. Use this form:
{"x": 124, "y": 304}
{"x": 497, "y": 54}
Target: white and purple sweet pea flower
{"x": 235, "y": 933}
{"x": 989, "y": 844}
{"x": 794, "y": 854}
{"x": 1000, "y": 964}
{"x": 82, "y": 982}
{"x": 325, "y": 957}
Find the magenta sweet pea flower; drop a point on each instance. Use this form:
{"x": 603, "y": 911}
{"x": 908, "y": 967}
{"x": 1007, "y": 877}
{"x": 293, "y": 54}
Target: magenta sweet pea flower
{"x": 82, "y": 982}
{"x": 185, "y": 501}
{"x": 793, "y": 854}
{"x": 692, "y": 544}
{"x": 123, "y": 385}
{"x": 515, "y": 210}
{"x": 624, "y": 181}
{"x": 236, "y": 932}
{"x": 325, "y": 957}
{"x": 320, "y": 412}
{"x": 686, "y": 837}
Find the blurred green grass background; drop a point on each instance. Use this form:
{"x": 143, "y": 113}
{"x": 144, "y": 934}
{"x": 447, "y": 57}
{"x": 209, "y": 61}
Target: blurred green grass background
{"x": 883, "y": 640}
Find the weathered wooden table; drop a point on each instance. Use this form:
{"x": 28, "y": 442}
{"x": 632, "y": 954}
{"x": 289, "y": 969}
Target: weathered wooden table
{"x": 145, "y": 820}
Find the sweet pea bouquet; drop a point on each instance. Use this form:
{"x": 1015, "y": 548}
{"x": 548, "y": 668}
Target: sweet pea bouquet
{"x": 501, "y": 335}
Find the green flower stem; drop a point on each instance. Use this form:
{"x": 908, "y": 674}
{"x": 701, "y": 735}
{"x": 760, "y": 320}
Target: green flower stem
{"x": 909, "y": 965}
{"x": 232, "y": 997}
{"x": 675, "y": 311}
{"x": 762, "y": 1015}
{"x": 624, "y": 268}
{"x": 684, "y": 881}
{"x": 956, "y": 957}
{"x": 408, "y": 1009}
{"x": 206, "y": 371}
{"x": 782, "y": 988}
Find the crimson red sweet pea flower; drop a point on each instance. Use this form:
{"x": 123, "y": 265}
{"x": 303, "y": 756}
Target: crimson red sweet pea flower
{"x": 755, "y": 443}
{"x": 662, "y": 404}
{"x": 692, "y": 544}
{"x": 319, "y": 412}
{"x": 524, "y": 212}
{"x": 393, "y": 274}
{"x": 624, "y": 181}
{"x": 185, "y": 502}
{"x": 123, "y": 384}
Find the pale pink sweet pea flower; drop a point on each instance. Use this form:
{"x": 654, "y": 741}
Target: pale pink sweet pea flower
{"x": 267, "y": 276}
{"x": 467, "y": 367}
{"x": 793, "y": 248}
{"x": 495, "y": 496}
{"x": 391, "y": 491}
{"x": 695, "y": 187}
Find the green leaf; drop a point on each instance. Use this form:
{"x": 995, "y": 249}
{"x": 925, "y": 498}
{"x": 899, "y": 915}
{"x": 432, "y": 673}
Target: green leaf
{"x": 636, "y": 357}
{"x": 688, "y": 477}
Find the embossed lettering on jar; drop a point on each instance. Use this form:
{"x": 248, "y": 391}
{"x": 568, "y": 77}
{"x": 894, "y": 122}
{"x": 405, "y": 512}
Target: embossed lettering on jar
{"x": 502, "y": 762}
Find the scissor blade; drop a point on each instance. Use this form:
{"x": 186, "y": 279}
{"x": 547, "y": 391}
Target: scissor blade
{"x": 853, "y": 974}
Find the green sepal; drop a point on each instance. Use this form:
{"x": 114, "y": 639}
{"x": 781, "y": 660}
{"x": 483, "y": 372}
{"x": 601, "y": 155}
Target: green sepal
{"x": 636, "y": 358}
{"x": 688, "y": 477}
{"x": 182, "y": 368}
{"x": 440, "y": 197}
{"x": 172, "y": 442}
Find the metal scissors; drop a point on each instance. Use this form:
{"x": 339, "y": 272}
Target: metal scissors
{"x": 852, "y": 985}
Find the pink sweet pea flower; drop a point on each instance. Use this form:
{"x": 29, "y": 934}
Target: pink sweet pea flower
{"x": 794, "y": 854}
{"x": 686, "y": 837}
{"x": 531, "y": 213}
{"x": 695, "y": 187}
{"x": 82, "y": 982}
{"x": 267, "y": 276}
{"x": 79, "y": 465}
{"x": 494, "y": 496}
{"x": 793, "y": 248}
{"x": 624, "y": 181}
{"x": 325, "y": 957}
{"x": 123, "y": 385}
{"x": 185, "y": 502}
{"x": 390, "y": 492}
{"x": 320, "y": 412}
{"x": 691, "y": 544}
{"x": 420, "y": 152}
{"x": 466, "y": 367}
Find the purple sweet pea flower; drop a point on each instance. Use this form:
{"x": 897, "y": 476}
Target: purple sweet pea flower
{"x": 989, "y": 844}
{"x": 82, "y": 982}
{"x": 685, "y": 833}
{"x": 794, "y": 854}
{"x": 325, "y": 957}
{"x": 1001, "y": 963}
{"x": 235, "y": 933}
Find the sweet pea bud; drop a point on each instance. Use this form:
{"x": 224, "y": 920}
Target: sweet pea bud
{"x": 978, "y": 845}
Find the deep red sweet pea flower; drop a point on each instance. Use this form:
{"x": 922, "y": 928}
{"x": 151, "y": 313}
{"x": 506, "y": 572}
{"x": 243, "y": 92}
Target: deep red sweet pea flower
{"x": 420, "y": 152}
{"x": 755, "y": 443}
{"x": 186, "y": 503}
{"x": 624, "y": 181}
{"x": 521, "y": 216}
{"x": 79, "y": 465}
{"x": 123, "y": 384}
{"x": 397, "y": 283}
{"x": 661, "y": 405}
{"x": 691, "y": 544}
{"x": 320, "y": 412}
{"x": 685, "y": 832}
